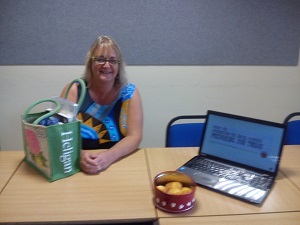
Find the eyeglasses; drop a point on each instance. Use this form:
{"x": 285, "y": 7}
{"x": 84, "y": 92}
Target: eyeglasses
{"x": 102, "y": 61}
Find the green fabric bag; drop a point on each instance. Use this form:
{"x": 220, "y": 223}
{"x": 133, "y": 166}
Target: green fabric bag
{"x": 53, "y": 150}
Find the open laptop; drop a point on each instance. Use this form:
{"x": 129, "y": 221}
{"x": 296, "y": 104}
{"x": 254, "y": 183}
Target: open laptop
{"x": 238, "y": 156}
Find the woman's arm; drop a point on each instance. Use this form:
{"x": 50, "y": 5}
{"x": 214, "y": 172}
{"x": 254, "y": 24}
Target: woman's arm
{"x": 134, "y": 129}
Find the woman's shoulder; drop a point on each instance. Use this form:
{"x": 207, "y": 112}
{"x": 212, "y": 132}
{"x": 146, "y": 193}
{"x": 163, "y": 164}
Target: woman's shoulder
{"x": 129, "y": 86}
{"x": 127, "y": 91}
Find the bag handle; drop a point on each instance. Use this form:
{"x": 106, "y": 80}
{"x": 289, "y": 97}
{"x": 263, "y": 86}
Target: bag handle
{"x": 50, "y": 113}
{"x": 83, "y": 91}
{"x": 58, "y": 105}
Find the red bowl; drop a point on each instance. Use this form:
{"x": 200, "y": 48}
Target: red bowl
{"x": 174, "y": 203}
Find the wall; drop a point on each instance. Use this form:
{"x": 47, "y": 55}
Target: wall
{"x": 264, "y": 92}
{"x": 198, "y": 32}
{"x": 43, "y": 44}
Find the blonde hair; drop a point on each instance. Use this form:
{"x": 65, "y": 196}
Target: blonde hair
{"x": 105, "y": 42}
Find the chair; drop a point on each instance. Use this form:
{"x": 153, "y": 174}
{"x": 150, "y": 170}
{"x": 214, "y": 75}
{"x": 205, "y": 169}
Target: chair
{"x": 292, "y": 135}
{"x": 185, "y": 131}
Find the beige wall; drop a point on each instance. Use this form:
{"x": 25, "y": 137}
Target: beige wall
{"x": 264, "y": 92}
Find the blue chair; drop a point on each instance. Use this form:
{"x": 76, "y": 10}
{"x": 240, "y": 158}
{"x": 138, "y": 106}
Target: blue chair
{"x": 292, "y": 135}
{"x": 185, "y": 131}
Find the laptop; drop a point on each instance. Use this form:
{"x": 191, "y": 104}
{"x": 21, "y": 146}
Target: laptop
{"x": 238, "y": 156}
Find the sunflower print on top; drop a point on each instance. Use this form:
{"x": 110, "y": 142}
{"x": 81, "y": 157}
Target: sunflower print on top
{"x": 102, "y": 126}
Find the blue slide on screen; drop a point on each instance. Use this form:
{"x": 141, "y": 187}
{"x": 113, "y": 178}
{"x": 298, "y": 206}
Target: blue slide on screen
{"x": 246, "y": 142}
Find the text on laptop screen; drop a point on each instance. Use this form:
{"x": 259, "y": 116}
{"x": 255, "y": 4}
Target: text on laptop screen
{"x": 253, "y": 144}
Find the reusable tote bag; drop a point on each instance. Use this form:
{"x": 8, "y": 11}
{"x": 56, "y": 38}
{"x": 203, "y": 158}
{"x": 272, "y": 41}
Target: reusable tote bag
{"x": 52, "y": 150}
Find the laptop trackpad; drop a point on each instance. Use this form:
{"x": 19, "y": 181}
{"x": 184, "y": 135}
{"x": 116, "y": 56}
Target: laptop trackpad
{"x": 199, "y": 177}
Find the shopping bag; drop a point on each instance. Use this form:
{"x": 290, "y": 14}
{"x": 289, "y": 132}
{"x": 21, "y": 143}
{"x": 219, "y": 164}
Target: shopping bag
{"x": 53, "y": 150}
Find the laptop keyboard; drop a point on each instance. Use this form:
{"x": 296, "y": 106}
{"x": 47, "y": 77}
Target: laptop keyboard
{"x": 228, "y": 173}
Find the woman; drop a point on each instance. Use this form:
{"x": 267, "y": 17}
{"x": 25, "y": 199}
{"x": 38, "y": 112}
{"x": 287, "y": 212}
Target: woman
{"x": 111, "y": 112}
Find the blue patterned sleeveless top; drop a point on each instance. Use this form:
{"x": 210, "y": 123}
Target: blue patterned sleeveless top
{"x": 102, "y": 126}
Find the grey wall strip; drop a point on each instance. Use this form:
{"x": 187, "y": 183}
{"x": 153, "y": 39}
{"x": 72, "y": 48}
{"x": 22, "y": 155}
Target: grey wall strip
{"x": 152, "y": 32}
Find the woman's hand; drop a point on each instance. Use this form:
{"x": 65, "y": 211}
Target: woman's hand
{"x": 93, "y": 163}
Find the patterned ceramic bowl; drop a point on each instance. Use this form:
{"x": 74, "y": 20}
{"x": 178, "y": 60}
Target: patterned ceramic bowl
{"x": 174, "y": 192}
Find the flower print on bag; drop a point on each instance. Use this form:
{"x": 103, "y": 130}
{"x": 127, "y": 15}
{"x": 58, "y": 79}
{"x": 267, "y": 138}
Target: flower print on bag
{"x": 35, "y": 148}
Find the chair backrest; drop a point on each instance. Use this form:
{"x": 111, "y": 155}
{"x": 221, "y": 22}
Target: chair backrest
{"x": 185, "y": 131}
{"x": 292, "y": 135}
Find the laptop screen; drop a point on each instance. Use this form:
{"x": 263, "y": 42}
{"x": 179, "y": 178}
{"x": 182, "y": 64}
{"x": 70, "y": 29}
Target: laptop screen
{"x": 243, "y": 140}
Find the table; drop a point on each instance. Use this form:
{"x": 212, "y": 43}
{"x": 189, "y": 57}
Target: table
{"x": 9, "y": 161}
{"x": 121, "y": 193}
{"x": 290, "y": 163}
{"x": 283, "y": 198}
{"x": 290, "y": 218}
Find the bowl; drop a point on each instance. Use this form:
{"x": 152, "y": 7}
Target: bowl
{"x": 169, "y": 196}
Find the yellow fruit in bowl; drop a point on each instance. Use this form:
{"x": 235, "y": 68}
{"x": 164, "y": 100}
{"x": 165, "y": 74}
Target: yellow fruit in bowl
{"x": 174, "y": 184}
{"x": 162, "y": 188}
{"x": 174, "y": 188}
{"x": 186, "y": 190}
{"x": 174, "y": 191}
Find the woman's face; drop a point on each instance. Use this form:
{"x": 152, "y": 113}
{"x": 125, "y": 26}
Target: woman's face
{"x": 105, "y": 68}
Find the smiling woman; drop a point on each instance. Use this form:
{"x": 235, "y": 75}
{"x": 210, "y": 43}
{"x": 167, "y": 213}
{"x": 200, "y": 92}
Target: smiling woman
{"x": 111, "y": 112}
{"x": 105, "y": 47}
